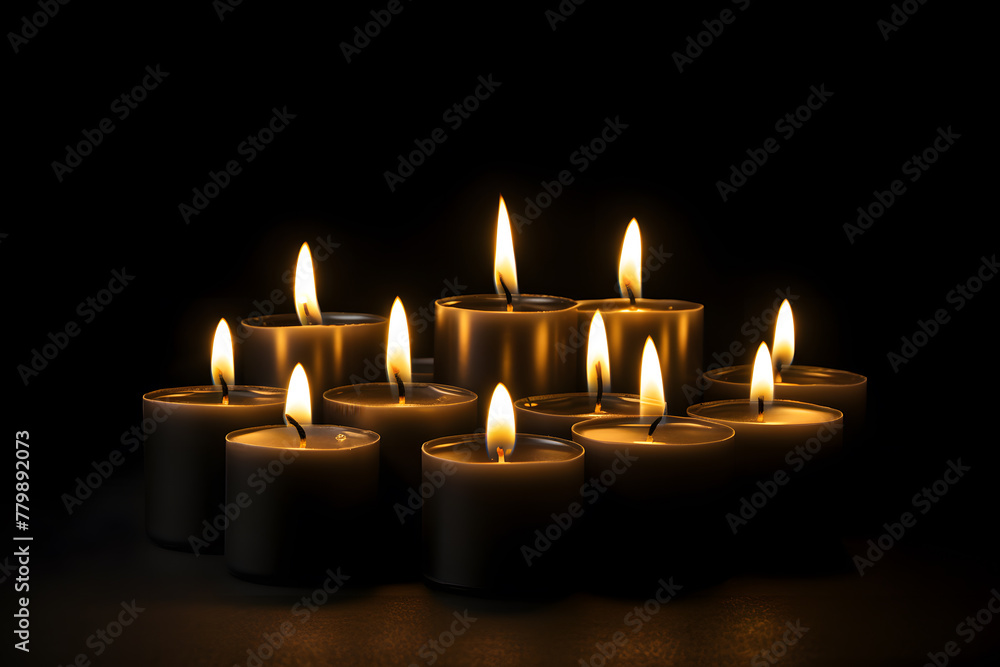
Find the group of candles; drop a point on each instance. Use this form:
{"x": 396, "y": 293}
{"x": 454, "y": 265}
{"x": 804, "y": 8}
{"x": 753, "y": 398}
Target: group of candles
{"x": 294, "y": 478}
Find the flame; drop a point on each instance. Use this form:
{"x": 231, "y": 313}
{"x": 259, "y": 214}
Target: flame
{"x": 651, "y": 400}
{"x": 503, "y": 260}
{"x": 222, "y": 354}
{"x": 297, "y": 402}
{"x": 762, "y": 383}
{"x": 630, "y": 263}
{"x": 784, "y": 338}
{"x": 500, "y": 424}
{"x": 397, "y": 349}
{"x": 306, "y": 305}
{"x": 597, "y": 351}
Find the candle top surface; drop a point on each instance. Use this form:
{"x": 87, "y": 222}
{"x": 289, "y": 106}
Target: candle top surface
{"x": 471, "y": 448}
{"x": 523, "y": 303}
{"x": 642, "y": 305}
{"x": 744, "y": 411}
{"x": 790, "y": 375}
{"x": 418, "y": 394}
{"x": 333, "y": 319}
{"x": 239, "y": 395}
{"x": 318, "y": 436}
{"x": 670, "y": 431}
{"x": 580, "y": 404}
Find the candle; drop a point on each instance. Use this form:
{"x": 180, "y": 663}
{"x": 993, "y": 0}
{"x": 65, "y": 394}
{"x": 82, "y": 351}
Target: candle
{"x": 517, "y": 339}
{"x": 499, "y": 496}
{"x": 185, "y": 456}
{"x": 838, "y": 389}
{"x": 332, "y": 347}
{"x": 676, "y": 326}
{"x": 299, "y": 497}
{"x": 555, "y": 414}
{"x": 769, "y": 431}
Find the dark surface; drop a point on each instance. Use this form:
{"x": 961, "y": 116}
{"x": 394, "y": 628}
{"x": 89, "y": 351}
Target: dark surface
{"x": 323, "y": 178}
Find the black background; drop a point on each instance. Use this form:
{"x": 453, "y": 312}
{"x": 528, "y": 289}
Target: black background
{"x": 323, "y": 176}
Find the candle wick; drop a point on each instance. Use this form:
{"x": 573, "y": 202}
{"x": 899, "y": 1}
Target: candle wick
{"x": 631, "y": 295}
{"x": 528, "y": 403}
{"x": 652, "y": 427}
{"x": 500, "y": 456}
{"x": 309, "y": 317}
{"x": 600, "y": 387}
{"x": 510, "y": 299}
{"x": 225, "y": 390}
{"x": 298, "y": 427}
{"x": 760, "y": 408}
{"x": 401, "y": 386}
{"x": 777, "y": 371}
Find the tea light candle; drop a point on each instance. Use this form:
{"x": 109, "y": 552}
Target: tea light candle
{"x": 498, "y": 492}
{"x": 185, "y": 456}
{"x": 302, "y": 498}
{"x": 332, "y": 347}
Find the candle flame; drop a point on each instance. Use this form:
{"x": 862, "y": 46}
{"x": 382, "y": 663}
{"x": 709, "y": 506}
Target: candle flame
{"x": 503, "y": 259}
{"x": 500, "y": 424}
{"x": 222, "y": 355}
{"x": 784, "y": 339}
{"x": 297, "y": 401}
{"x": 306, "y": 305}
{"x": 630, "y": 263}
{"x": 597, "y": 352}
{"x": 762, "y": 383}
{"x": 397, "y": 350}
{"x": 651, "y": 400}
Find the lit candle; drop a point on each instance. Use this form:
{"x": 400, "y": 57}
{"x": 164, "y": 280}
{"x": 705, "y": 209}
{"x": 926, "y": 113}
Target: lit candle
{"x": 332, "y": 347}
{"x": 185, "y": 455}
{"x": 767, "y": 430}
{"x": 406, "y": 415}
{"x": 498, "y": 493}
{"x": 842, "y": 390}
{"x": 555, "y": 414}
{"x": 676, "y": 326}
{"x": 518, "y": 339}
{"x": 299, "y": 495}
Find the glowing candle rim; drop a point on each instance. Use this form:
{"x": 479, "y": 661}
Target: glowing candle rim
{"x": 584, "y": 429}
{"x": 720, "y": 375}
{"x": 314, "y": 433}
{"x": 750, "y": 405}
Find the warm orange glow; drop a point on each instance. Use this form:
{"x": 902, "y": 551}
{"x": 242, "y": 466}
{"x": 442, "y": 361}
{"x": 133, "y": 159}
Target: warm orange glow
{"x": 298, "y": 403}
{"x": 630, "y": 263}
{"x": 306, "y": 305}
{"x": 762, "y": 383}
{"x": 222, "y": 355}
{"x": 397, "y": 349}
{"x": 597, "y": 351}
{"x": 500, "y": 424}
{"x": 784, "y": 339}
{"x": 503, "y": 260}
{"x": 651, "y": 399}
